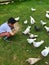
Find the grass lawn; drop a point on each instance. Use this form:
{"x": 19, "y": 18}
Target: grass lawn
{"x": 15, "y": 53}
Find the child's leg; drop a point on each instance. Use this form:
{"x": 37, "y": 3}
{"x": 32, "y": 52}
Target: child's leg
{"x": 5, "y": 34}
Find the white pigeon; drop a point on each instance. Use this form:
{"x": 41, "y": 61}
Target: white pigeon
{"x": 33, "y": 60}
{"x": 17, "y": 18}
{"x": 45, "y": 52}
{"x": 43, "y": 23}
{"x": 33, "y": 35}
{"x": 27, "y": 30}
{"x": 25, "y": 22}
{"x": 33, "y": 9}
{"x": 47, "y": 15}
{"x": 32, "y": 20}
{"x": 47, "y": 28}
{"x": 37, "y": 44}
{"x": 30, "y": 41}
{"x": 47, "y": 11}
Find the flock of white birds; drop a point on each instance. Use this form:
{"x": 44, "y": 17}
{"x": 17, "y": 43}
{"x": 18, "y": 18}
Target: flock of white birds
{"x": 32, "y": 37}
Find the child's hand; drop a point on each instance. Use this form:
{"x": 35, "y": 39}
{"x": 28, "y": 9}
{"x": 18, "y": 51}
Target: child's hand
{"x": 15, "y": 32}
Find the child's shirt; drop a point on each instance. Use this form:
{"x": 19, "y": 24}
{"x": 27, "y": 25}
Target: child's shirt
{"x": 5, "y": 28}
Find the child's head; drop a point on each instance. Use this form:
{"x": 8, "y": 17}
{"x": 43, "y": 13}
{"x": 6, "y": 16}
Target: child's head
{"x": 11, "y": 21}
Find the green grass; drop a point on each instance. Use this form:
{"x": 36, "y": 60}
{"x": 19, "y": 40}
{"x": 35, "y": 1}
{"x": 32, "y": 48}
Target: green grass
{"x": 18, "y": 48}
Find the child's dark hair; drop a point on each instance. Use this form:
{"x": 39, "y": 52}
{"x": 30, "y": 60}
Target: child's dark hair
{"x": 12, "y": 20}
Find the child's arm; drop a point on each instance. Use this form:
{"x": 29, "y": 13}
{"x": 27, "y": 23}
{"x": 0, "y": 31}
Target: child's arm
{"x": 12, "y": 33}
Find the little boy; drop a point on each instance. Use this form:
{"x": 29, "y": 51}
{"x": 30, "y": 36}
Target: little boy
{"x": 6, "y": 28}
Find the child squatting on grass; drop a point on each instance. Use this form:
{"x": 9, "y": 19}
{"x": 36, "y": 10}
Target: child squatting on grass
{"x": 7, "y": 29}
